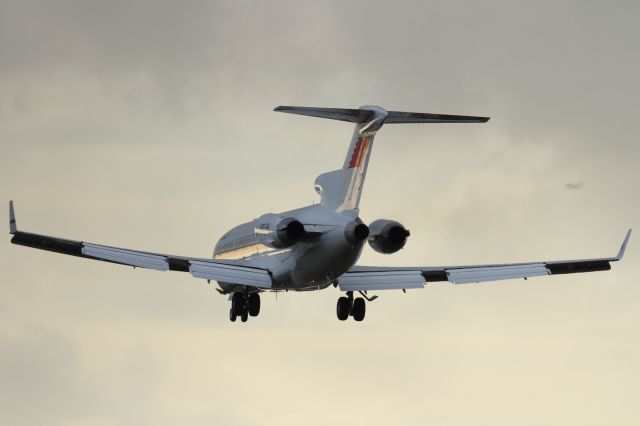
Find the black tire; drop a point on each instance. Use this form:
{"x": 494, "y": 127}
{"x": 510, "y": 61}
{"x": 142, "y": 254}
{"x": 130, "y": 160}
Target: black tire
{"x": 342, "y": 308}
{"x": 237, "y": 302}
{"x": 232, "y": 314}
{"x": 254, "y": 304}
{"x": 359, "y": 309}
{"x": 244, "y": 315}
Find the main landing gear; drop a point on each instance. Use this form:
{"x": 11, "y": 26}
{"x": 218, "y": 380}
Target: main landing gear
{"x": 350, "y": 306}
{"x": 243, "y": 305}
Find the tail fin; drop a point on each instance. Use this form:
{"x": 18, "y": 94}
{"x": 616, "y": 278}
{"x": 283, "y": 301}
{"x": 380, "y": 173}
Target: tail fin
{"x": 341, "y": 189}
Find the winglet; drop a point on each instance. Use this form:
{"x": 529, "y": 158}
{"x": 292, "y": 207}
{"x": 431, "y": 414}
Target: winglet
{"x": 13, "y": 228}
{"x": 624, "y": 246}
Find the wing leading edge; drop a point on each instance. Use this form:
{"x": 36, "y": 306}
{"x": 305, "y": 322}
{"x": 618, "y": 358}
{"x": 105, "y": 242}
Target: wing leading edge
{"x": 208, "y": 269}
{"x": 360, "y": 278}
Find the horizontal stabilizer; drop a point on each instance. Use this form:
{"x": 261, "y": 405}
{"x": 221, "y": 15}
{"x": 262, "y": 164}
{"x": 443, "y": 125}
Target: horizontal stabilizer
{"x": 365, "y": 114}
{"x": 342, "y": 114}
{"x": 394, "y": 117}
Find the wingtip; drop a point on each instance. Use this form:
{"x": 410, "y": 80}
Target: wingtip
{"x": 13, "y": 227}
{"x": 623, "y": 248}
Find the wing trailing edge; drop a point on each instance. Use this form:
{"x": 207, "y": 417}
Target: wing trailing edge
{"x": 209, "y": 269}
{"x": 390, "y": 278}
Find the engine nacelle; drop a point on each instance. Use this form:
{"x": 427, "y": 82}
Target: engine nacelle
{"x": 356, "y": 232}
{"x": 387, "y": 236}
{"x": 276, "y": 231}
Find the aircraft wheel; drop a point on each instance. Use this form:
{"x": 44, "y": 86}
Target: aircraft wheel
{"x": 359, "y": 309}
{"x": 343, "y": 308}
{"x": 232, "y": 314}
{"x": 244, "y": 315}
{"x": 254, "y": 304}
{"x": 237, "y": 302}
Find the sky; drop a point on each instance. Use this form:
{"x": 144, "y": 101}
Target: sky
{"x": 149, "y": 125}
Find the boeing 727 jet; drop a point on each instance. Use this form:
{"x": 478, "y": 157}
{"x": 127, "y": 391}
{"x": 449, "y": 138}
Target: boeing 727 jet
{"x": 317, "y": 246}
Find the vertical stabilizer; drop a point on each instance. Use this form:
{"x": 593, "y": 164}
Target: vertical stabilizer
{"x": 341, "y": 189}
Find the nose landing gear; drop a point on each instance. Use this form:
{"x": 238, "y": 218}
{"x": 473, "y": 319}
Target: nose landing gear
{"x": 243, "y": 305}
{"x": 348, "y": 306}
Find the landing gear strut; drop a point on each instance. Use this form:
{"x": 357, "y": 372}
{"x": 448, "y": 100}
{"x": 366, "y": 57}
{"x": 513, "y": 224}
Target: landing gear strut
{"x": 348, "y": 306}
{"x": 243, "y": 305}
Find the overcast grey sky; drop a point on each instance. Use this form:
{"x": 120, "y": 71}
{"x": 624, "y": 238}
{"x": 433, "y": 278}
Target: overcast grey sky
{"x": 148, "y": 124}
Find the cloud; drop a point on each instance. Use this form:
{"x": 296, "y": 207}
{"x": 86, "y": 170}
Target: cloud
{"x": 148, "y": 124}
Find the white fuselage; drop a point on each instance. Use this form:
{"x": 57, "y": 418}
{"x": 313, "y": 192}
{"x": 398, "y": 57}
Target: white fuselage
{"x": 310, "y": 264}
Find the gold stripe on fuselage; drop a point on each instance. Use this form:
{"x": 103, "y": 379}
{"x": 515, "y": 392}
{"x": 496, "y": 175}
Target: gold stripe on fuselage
{"x": 244, "y": 252}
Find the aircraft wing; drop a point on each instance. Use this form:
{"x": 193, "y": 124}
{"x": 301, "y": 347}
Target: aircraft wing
{"x": 209, "y": 269}
{"x": 361, "y": 278}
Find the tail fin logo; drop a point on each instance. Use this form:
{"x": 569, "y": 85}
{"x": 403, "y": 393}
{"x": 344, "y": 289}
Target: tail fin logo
{"x": 360, "y": 151}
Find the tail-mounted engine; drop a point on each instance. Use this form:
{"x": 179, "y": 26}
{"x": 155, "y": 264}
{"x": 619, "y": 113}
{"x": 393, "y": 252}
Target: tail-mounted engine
{"x": 356, "y": 232}
{"x": 387, "y": 236}
{"x": 276, "y": 231}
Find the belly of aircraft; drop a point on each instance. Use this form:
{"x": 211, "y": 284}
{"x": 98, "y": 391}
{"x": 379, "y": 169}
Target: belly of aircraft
{"x": 308, "y": 266}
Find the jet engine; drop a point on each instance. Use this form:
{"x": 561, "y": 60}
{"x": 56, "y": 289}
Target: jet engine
{"x": 387, "y": 236}
{"x": 276, "y": 231}
{"x": 356, "y": 232}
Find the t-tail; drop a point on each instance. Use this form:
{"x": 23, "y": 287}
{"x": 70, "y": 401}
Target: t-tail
{"x": 341, "y": 189}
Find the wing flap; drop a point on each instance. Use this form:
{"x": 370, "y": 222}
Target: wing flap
{"x": 126, "y": 257}
{"x": 230, "y": 274}
{"x": 496, "y": 273}
{"x": 381, "y": 280}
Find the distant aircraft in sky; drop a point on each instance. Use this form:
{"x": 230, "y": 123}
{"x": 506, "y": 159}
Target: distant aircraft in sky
{"x": 317, "y": 246}
{"x": 573, "y": 186}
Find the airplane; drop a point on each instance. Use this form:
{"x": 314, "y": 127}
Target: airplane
{"x": 317, "y": 246}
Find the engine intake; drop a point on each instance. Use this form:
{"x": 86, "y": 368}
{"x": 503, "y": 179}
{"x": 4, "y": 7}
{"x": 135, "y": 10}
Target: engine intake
{"x": 387, "y": 236}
